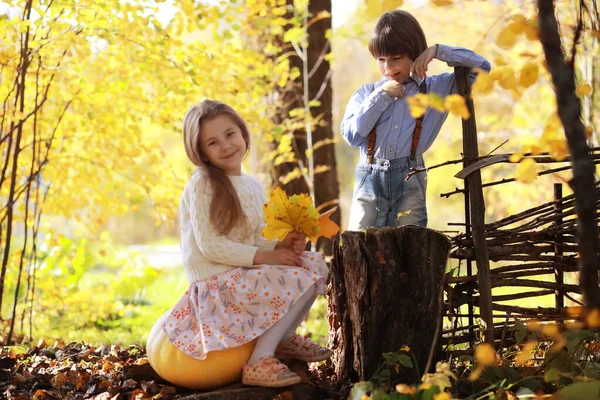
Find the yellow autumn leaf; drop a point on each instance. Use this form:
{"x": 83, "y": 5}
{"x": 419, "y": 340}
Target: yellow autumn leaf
{"x": 327, "y": 227}
{"x": 553, "y": 124}
{"x": 457, "y": 105}
{"x": 436, "y": 102}
{"x": 505, "y": 75}
{"x": 403, "y": 213}
{"x": 515, "y": 157}
{"x": 526, "y": 353}
{"x": 507, "y": 37}
{"x": 442, "y": 396}
{"x": 483, "y": 84}
{"x": 550, "y": 330}
{"x": 529, "y": 74}
{"x": 403, "y": 388}
{"x": 585, "y": 89}
{"x": 485, "y": 354}
{"x": 418, "y": 104}
{"x": 589, "y": 131}
{"x": 283, "y": 215}
{"x": 558, "y": 148}
{"x": 592, "y": 318}
{"x": 441, "y": 3}
{"x": 531, "y": 29}
{"x": 526, "y": 171}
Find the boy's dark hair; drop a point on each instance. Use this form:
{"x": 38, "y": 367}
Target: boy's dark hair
{"x": 397, "y": 33}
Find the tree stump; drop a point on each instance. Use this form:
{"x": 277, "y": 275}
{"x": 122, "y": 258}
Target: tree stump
{"x": 384, "y": 293}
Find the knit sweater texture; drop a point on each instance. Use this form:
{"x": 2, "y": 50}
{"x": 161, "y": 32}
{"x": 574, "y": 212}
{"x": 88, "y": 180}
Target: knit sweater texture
{"x": 207, "y": 253}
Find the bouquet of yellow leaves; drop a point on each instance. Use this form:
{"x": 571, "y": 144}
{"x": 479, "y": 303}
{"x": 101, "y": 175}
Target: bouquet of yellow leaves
{"x": 285, "y": 214}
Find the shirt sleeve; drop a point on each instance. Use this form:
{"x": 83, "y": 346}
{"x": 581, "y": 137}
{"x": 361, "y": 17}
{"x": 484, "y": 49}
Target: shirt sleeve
{"x": 458, "y": 57}
{"x": 217, "y": 248}
{"x": 259, "y": 240}
{"x": 362, "y": 112}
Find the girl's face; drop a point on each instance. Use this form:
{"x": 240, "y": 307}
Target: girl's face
{"x": 395, "y": 68}
{"x": 222, "y": 143}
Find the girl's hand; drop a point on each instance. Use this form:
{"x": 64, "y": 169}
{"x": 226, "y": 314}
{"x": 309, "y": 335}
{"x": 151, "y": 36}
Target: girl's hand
{"x": 294, "y": 241}
{"x": 420, "y": 65}
{"x": 299, "y": 243}
{"x": 277, "y": 257}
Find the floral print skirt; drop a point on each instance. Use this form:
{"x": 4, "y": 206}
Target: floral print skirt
{"x": 236, "y": 306}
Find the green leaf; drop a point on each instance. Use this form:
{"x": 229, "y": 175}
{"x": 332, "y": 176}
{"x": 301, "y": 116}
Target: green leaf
{"x": 579, "y": 391}
{"x": 551, "y": 375}
{"x": 360, "y": 389}
{"x": 406, "y": 361}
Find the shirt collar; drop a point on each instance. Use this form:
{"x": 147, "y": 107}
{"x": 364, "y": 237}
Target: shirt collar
{"x": 414, "y": 79}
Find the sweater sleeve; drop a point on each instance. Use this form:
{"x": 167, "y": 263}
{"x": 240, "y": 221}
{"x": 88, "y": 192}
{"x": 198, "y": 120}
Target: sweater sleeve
{"x": 259, "y": 240}
{"x": 217, "y": 248}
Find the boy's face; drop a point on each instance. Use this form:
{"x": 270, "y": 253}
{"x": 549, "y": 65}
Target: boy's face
{"x": 395, "y": 68}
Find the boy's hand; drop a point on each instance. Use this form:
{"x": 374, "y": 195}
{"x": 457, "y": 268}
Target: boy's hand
{"x": 393, "y": 88}
{"x": 420, "y": 65}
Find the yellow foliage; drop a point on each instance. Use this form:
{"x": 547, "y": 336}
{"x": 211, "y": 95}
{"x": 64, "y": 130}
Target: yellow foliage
{"x": 418, "y": 104}
{"x": 589, "y": 131}
{"x": 456, "y": 105}
{"x": 585, "y": 89}
{"x": 592, "y": 319}
{"x": 436, "y": 102}
{"x": 507, "y": 37}
{"x": 529, "y": 74}
{"x": 485, "y": 354}
{"x": 442, "y": 3}
{"x": 296, "y": 213}
{"x": 406, "y": 389}
{"x": 526, "y": 352}
{"x": 526, "y": 171}
{"x": 505, "y": 76}
{"x": 483, "y": 84}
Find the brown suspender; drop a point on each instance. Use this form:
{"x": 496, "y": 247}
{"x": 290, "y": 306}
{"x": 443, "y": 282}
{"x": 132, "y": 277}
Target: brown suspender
{"x": 415, "y": 138}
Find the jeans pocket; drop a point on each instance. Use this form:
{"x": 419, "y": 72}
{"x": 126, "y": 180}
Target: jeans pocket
{"x": 360, "y": 176}
{"x": 422, "y": 179}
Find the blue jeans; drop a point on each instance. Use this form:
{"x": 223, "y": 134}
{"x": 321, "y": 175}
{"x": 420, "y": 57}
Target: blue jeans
{"x": 381, "y": 194}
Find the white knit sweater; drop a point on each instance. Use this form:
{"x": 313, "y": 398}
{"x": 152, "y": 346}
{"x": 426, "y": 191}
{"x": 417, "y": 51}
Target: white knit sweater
{"x": 206, "y": 253}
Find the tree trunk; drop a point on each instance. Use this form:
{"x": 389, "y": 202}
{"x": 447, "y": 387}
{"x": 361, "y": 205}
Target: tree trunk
{"x": 569, "y": 111}
{"x": 326, "y": 186}
{"x": 385, "y": 293}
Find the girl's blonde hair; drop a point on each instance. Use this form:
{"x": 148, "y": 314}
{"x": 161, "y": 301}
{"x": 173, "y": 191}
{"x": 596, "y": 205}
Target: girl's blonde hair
{"x": 225, "y": 208}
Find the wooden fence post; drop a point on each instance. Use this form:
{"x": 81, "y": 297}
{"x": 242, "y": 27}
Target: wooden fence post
{"x": 477, "y": 204}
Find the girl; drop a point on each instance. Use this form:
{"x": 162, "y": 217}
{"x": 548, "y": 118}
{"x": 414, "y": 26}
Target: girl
{"x": 242, "y": 287}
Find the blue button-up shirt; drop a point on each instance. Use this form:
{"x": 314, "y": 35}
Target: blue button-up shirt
{"x": 370, "y": 107}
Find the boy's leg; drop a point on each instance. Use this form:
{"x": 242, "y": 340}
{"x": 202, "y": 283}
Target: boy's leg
{"x": 368, "y": 205}
{"x": 410, "y": 208}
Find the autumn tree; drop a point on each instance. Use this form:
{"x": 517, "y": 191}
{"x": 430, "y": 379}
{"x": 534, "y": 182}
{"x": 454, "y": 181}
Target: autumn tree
{"x": 90, "y": 93}
{"x": 305, "y": 154}
{"x": 563, "y": 73}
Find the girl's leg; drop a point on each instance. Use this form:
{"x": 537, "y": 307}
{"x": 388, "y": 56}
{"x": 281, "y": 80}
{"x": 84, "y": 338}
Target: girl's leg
{"x": 300, "y": 317}
{"x": 268, "y": 341}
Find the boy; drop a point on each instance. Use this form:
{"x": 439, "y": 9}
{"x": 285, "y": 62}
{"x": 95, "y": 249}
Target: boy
{"x": 378, "y": 120}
